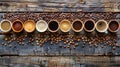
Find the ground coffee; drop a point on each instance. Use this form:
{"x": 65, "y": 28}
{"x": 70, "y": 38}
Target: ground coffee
{"x": 53, "y": 25}
{"x": 17, "y": 26}
{"x": 113, "y": 25}
{"x": 6, "y": 26}
{"x": 77, "y": 25}
{"x": 89, "y": 25}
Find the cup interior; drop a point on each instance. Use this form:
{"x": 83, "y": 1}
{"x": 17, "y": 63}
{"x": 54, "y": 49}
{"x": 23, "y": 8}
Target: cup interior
{"x": 5, "y": 25}
{"x": 53, "y": 26}
{"x": 17, "y": 26}
{"x": 65, "y": 26}
{"x": 41, "y": 26}
{"x": 101, "y": 26}
{"x": 77, "y": 25}
{"x": 89, "y": 25}
{"x": 29, "y": 25}
{"x": 113, "y": 26}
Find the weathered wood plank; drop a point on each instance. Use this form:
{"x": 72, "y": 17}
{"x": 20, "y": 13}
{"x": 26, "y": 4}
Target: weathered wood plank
{"x": 71, "y": 61}
{"x": 61, "y": 5}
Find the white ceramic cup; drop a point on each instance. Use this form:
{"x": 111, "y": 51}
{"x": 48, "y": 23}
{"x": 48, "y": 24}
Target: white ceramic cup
{"x": 41, "y": 26}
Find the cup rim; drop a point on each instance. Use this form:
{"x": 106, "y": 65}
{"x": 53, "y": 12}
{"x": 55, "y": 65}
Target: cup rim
{"x": 50, "y": 29}
{"x": 81, "y": 27}
{"x": 112, "y": 30}
{"x": 27, "y": 22}
{"x": 10, "y": 25}
{"x": 45, "y": 27}
{"x": 93, "y": 23}
{"x": 69, "y": 24}
{"x": 105, "y": 28}
{"x": 13, "y": 27}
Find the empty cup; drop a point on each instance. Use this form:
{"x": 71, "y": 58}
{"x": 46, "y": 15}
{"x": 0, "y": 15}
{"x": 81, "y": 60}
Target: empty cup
{"x": 41, "y": 26}
{"x": 29, "y": 26}
{"x": 53, "y": 26}
{"x": 77, "y": 25}
{"x": 65, "y": 25}
{"x": 113, "y": 26}
{"x": 101, "y": 26}
{"x": 89, "y": 25}
{"x": 5, "y": 25}
{"x": 17, "y": 26}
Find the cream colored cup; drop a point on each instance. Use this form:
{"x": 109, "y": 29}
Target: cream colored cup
{"x": 101, "y": 26}
{"x": 65, "y": 25}
{"x": 5, "y": 25}
{"x": 41, "y": 26}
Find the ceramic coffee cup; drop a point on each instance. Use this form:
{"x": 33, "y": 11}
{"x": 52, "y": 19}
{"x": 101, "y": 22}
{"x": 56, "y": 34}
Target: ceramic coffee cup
{"x": 53, "y": 26}
{"x": 65, "y": 25}
{"x": 17, "y": 25}
{"x": 77, "y": 25}
{"x": 89, "y": 25}
{"x": 5, "y": 25}
{"x": 29, "y": 26}
{"x": 101, "y": 26}
{"x": 41, "y": 26}
{"x": 113, "y": 26}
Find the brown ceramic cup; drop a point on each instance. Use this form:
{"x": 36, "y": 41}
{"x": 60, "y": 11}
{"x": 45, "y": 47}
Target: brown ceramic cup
{"x": 113, "y": 26}
{"x": 89, "y": 25}
{"x": 77, "y": 25}
{"x": 53, "y": 26}
{"x": 17, "y": 26}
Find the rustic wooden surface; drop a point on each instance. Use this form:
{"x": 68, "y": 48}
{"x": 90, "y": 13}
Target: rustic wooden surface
{"x": 52, "y": 55}
{"x": 61, "y": 5}
{"x": 55, "y": 49}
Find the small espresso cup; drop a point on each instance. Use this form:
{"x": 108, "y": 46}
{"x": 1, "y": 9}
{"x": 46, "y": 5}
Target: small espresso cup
{"x": 5, "y": 25}
{"x": 101, "y": 26}
{"x": 89, "y": 25}
{"x": 53, "y": 26}
{"x": 77, "y": 25}
{"x": 65, "y": 25}
{"x": 113, "y": 26}
{"x": 41, "y": 26}
{"x": 17, "y": 25}
{"x": 29, "y": 26}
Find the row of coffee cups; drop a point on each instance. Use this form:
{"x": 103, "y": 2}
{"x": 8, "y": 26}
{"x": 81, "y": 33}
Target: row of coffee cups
{"x": 65, "y": 25}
